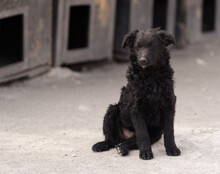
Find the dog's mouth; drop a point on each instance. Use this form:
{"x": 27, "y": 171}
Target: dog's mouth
{"x": 143, "y": 65}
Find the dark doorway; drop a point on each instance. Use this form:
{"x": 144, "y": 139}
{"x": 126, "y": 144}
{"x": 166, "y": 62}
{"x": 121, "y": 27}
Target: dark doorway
{"x": 208, "y": 17}
{"x": 11, "y": 40}
{"x": 122, "y": 21}
{"x": 78, "y": 27}
{"x": 160, "y": 13}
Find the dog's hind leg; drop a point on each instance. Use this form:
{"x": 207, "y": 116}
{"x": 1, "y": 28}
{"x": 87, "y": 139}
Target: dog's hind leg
{"x": 110, "y": 130}
{"x": 124, "y": 147}
{"x": 131, "y": 143}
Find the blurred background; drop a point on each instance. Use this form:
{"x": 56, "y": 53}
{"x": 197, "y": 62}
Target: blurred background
{"x": 37, "y": 35}
{"x": 61, "y": 65}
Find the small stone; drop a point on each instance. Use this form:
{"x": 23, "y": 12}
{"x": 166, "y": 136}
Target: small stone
{"x": 73, "y": 155}
{"x": 200, "y": 62}
{"x": 83, "y": 108}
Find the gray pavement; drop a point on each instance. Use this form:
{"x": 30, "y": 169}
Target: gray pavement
{"x": 49, "y": 123}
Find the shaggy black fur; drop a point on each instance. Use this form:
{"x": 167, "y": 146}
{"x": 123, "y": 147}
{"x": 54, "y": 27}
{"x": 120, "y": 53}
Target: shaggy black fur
{"x": 146, "y": 107}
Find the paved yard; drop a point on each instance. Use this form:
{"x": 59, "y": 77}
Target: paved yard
{"x": 49, "y": 124}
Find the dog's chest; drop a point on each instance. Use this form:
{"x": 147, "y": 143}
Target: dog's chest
{"x": 151, "y": 100}
{"x": 150, "y": 93}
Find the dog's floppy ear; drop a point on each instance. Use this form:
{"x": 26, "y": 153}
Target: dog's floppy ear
{"x": 129, "y": 39}
{"x": 167, "y": 38}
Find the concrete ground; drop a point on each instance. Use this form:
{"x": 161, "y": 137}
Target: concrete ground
{"x": 49, "y": 124}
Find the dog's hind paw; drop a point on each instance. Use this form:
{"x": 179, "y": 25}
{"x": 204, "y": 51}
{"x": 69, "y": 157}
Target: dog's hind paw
{"x": 122, "y": 149}
{"x": 100, "y": 147}
{"x": 146, "y": 155}
{"x": 173, "y": 151}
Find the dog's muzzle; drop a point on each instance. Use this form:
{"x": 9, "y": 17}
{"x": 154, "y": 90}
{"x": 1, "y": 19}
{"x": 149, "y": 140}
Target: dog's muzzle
{"x": 143, "y": 62}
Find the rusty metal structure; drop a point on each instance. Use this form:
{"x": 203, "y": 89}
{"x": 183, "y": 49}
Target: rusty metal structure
{"x": 197, "y": 20}
{"x": 38, "y": 34}
{"x": 189, "y": 20}
{"x": 25, "y": 38}
{"x": 202, "y": 19}
{"x": 84, "y": 30}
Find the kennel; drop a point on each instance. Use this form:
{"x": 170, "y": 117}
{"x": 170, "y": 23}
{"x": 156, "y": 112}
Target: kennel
{"x": 84, "y": 30}
{"x": 202, "y": 19}
{"x": 142, "y": 14}
{"x": 25, "y": 38}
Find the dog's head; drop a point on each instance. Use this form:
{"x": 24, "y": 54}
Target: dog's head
{"x": 148, "y": 45}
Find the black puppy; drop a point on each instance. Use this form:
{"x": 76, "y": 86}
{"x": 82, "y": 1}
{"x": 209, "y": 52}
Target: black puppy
{"x": 146, "y": 107}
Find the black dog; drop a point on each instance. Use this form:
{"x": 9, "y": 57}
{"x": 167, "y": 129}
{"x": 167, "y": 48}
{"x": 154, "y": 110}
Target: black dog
{"x": 146, "y": 107}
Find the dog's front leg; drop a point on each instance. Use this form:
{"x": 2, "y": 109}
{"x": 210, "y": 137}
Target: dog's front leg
{"x": 142, "y": 136}
{"x": 168, "y": 128}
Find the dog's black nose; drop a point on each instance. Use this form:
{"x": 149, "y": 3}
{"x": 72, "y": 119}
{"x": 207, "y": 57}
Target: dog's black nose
{"x": 143, "y": 60}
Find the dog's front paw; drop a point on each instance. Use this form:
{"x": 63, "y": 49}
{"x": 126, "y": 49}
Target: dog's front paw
{"x": 173, "y": 151}
{"x": 122, "y": 149}
{"x": 100, "y": 147}
{"x": 146, "y": 155}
